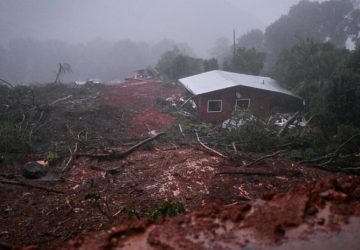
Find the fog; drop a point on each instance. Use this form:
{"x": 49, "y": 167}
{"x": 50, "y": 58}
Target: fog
{"x": 197, "y": 23}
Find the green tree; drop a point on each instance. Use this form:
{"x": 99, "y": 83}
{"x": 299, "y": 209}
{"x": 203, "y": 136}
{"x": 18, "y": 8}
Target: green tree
{"x": 174, "y": 65}
{"x": 246, "y": 61}
{"x": 343, "y": 93}
{"x": 327, "y": 21}
{"x": 254, "y": 39}
{"x": 307, "y": 67}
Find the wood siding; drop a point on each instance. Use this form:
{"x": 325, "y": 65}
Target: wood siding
{"x": 259, "y": 99}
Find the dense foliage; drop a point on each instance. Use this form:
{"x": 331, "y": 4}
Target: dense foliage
{"x": 343, "y": 93}
{"x": 174, "y": 65}
{"x": 245, "y": 61}
{"x": 333, "y": 21}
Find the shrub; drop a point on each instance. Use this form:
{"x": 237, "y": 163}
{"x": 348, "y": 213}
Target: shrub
{"x": 168, "y": 208}
{"x": 253, "y": 133}
{"x": 52, "y": 157}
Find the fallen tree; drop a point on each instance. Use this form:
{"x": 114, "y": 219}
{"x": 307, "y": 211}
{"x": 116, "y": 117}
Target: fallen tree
{"x": 328, "y": 158}
{"x": 120, "y": 155}
{"x": 25, "y": 184}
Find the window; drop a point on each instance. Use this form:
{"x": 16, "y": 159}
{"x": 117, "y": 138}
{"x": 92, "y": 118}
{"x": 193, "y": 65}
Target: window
{"x": 214, "y": 106}
{"x": 242, "y": 103}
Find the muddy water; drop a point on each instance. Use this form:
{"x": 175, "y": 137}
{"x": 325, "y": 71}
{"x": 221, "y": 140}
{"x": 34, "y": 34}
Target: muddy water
{"x": 348, "y": 238}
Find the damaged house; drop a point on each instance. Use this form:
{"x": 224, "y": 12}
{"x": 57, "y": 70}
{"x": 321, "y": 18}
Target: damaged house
{"x": 218, "y": 93}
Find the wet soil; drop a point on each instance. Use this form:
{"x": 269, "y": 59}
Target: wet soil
{"x": 324, "y": 215}
{"x": 249, "y": 209}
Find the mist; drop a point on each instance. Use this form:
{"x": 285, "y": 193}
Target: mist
{"x": 79, "y": 25}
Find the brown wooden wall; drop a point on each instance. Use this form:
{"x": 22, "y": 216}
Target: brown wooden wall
{"x": 259, "y": 99}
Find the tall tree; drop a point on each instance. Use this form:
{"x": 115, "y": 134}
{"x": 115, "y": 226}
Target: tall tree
{"x": 343, "y": 93}
{"x": 323, "y": 22}
{"x": 245, "y": 61}
{"x": 308, "y": 66}
{"x": 254, "y": 39}
{"x": 174, "y": 65}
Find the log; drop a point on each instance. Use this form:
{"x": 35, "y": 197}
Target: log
{"x": 120, "y": 155}
{"x": 264, "y": 157}
{"x": 210, "y": 149}
{"x": 24, "y": 184}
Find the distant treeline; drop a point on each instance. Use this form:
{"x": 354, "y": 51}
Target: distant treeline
{"x": 256, "y": 52}
{"x": 31, "y": 61}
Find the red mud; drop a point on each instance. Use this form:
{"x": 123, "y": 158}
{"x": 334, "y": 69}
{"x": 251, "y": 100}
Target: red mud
{"x": 301, "y": 218}
{"x": 94, "y": 200}
{"x": 140, "y": 98}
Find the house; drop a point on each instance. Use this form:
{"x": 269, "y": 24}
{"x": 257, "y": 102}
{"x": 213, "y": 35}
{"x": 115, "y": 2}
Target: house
{"x": 217, "y": 93}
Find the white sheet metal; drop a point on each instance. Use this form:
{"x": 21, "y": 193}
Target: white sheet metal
{"x": 217, "y": 80}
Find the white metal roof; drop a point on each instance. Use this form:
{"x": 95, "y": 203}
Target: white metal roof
{"x": 217, "y": 80}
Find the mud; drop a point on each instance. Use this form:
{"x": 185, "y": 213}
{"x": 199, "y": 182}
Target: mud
{"x": 250, "y": 210}
{"x": 306, "y": 217}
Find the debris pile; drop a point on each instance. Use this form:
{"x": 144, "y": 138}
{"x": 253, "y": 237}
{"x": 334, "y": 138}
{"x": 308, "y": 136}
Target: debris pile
{"x": 324, "y": 215}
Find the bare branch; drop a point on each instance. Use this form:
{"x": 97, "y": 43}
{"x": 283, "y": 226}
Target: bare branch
{"x": 60, "y": 100}
{"x": 210, "y": 149}
{"x": 264, "y": 157}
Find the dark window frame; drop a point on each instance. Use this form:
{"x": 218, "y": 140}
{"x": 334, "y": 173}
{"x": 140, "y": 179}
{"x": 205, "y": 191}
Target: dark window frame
{"x": 216, "y": 111}
{"x": 242, "y": 99}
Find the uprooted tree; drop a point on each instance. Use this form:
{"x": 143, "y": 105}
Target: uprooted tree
{"x": 63, "y": 69}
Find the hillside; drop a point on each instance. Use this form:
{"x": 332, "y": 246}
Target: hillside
{"x": 88, "y": 193}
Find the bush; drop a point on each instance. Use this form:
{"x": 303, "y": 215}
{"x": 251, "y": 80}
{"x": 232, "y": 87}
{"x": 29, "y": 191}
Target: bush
{"x": 52, "y": 157}
{"x": 253, "y": 133}
{"x": 168, "y": 208}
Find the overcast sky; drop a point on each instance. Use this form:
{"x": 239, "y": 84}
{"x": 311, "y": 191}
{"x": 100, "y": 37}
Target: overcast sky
{"x": 197, "y": 22}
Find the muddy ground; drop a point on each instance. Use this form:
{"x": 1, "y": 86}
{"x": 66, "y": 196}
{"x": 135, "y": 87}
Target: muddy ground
{"x": 116, "y": 203}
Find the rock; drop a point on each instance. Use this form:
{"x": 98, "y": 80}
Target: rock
{"x": 34, "y": 170}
